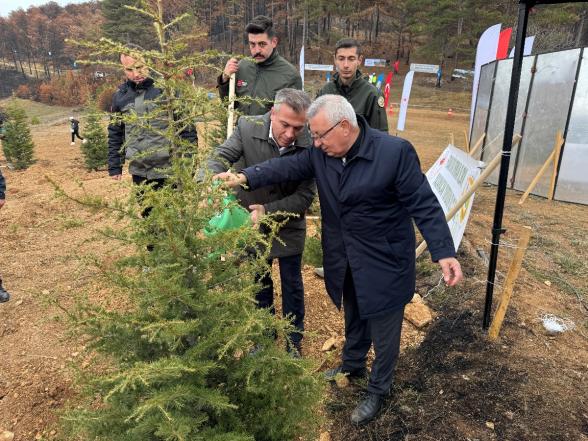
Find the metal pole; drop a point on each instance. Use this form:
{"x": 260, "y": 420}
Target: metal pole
{"x": 497, "y": 230}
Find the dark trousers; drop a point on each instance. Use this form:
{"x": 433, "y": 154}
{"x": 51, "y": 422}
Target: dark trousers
{"x": 74, "y": 134}
{"x": 292, "y": 293}
{"x": 383, "y": 331}
{"x": 156, "y": 184}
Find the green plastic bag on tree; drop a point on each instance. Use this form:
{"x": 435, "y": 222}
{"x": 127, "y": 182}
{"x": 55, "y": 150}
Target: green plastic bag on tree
{"x": 233, "y": 216}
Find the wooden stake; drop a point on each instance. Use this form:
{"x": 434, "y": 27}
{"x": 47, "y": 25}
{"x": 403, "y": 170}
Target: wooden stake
{"x": 559, "y": 140}
{"x": 552, "y": 157}
{"x": 466, "y": 196}
{"x": 513, "y": 273}
{"x": 467, "y": 141}
{"x": 452, "y": 139}
{"x": 477, "y": 145}
{"x": 231, "y": 118}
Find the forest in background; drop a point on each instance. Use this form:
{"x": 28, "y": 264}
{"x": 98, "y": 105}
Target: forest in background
{"x": 33, "y": 41}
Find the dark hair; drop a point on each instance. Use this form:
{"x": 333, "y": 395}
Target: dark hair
{"x": 345, "y": 43}
{"x": 261, "y": 25}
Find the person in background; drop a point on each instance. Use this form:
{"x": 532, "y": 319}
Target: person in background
{"x": 75, "y": 130}
{"x": 4, "y": 296}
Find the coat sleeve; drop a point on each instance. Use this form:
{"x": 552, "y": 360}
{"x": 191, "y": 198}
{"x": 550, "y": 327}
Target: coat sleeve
{"x": 298, "y": 202}
{"x": 417, "y": 197}
{"x": 273, "y": 171}
{"x": 116, "y": 139}
{"x": 296, "y": 82}
{"x": 377, "y": 115}
{"x": 228, "y": 152}
{"x": 223, "y": 87}
{"x": 2, "y": 187}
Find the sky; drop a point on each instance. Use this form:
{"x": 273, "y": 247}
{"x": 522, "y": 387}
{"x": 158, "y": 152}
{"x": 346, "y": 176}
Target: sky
{"x": 6, "y": 6}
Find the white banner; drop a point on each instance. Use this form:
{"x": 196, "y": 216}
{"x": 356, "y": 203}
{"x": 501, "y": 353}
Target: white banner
{"x": 375, "y": 62}
{"x": 450, "y": 177}
{"x": 404, "y": 101}
{"x": 322, "y": 67}
{"x": 527, "y": 49}
{"x": 485, "y": 53}
{"x": 302, "y": 65}
{"x": 425, "y": 68}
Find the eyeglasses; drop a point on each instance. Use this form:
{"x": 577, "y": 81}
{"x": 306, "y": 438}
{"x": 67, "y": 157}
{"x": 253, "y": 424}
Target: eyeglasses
{"x": 315, "y": 137}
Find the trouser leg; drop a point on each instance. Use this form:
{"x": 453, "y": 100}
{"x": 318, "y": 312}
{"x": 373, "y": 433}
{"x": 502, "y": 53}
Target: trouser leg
{"x": 293, "y": 294}
{"x": 385, "y": 332}
{"x": 265, "y": 296}
{"x": 156, "y": 184}
{"x": 73, "y": 137}
{"x": 357, "y": 332}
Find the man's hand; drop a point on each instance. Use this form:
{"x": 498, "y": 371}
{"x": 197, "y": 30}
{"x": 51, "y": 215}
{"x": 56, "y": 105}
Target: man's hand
{"x": 231, "y": 68}
{"x": 257, "y": 211}
{"x": 2, "y": 202}
{"x": 116, "y": 177}
{"x": 451, "y": 271}
{"x": 231, "y": 179}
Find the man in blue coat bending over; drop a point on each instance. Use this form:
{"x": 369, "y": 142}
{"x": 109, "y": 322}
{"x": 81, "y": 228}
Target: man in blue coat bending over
{"x": 371, "y": 188}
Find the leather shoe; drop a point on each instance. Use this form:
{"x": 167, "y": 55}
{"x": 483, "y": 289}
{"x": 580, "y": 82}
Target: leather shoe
{"x": 330, "y": 374}
{"x": 367, "y": 409}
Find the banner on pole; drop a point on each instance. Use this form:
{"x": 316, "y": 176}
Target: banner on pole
{"x": 450, "y": 177}
{"x": 302, "y": 66}
{"x": 321, "y": 67}
{"x": 387, "y": 87}
{"x": 503, "y": 42}
{"x": 528, "y": 47}
{"x": 404, "y": 101}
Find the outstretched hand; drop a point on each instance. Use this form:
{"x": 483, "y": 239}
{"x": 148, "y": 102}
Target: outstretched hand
{"x": 451, "y": 269}
{"x": 231, "y": 179}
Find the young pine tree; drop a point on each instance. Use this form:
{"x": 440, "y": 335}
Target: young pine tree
{"x": 187, "y": 355}
{"x": 95, "y": 145}
{"x": 17, "y": 142}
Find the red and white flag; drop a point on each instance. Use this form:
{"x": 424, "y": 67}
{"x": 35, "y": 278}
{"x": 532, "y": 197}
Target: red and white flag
{"x": 387, "y": 86}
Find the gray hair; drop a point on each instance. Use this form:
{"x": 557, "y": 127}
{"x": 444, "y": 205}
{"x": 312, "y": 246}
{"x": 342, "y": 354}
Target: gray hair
{"x": 335, "y": 107}
{"x": 297, "y": 100}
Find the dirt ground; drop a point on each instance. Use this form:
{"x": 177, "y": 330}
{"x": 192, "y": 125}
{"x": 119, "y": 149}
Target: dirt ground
{"x": 451, "y": 383}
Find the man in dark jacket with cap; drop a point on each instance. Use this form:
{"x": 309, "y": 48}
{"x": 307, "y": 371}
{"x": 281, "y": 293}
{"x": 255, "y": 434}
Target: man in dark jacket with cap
{"x": 365, "y": 98}
{"x": 4, "y": 296}
{"x": 147, "y": 149}
{"x": 279, "y": 133}
{"x": 263, "y": 78}
{"x": 371, "y": 188}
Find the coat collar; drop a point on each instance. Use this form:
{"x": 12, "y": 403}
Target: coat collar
{"x": 339, "y": 84}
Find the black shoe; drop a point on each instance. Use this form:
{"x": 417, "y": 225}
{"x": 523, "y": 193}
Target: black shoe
{"x": 4, "y": 296}
{"x": 357, "y": 373}
{"x": 367, "y": 409}
{"x": 294, "y": 350}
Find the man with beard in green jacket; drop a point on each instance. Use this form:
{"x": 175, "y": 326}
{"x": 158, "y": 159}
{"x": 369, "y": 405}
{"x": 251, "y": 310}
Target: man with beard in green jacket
{"x": 263, "y": 78}
{"x": 348, "y": 82}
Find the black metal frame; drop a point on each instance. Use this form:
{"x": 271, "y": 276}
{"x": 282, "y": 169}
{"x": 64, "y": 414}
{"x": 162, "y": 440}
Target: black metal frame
{"x": 497, "y": 229}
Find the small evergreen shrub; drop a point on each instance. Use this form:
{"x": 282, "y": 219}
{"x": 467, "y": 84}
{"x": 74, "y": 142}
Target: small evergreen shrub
{"x": 17, "y": 142}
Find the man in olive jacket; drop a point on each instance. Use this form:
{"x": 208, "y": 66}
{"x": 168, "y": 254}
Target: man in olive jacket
{"x": 4, "y": 296}
{"x": 262, "y": 79}
{"x": 279, "y": 133}
{"x": 365, "y": 98}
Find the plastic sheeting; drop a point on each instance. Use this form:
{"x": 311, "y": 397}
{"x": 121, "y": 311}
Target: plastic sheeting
{"x": 572, "y": 182}
{"x": 549, "y": 104}
{"x": 482, "y": 103}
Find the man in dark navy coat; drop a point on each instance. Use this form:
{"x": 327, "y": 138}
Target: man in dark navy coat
{"x": 371, "y": 188}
